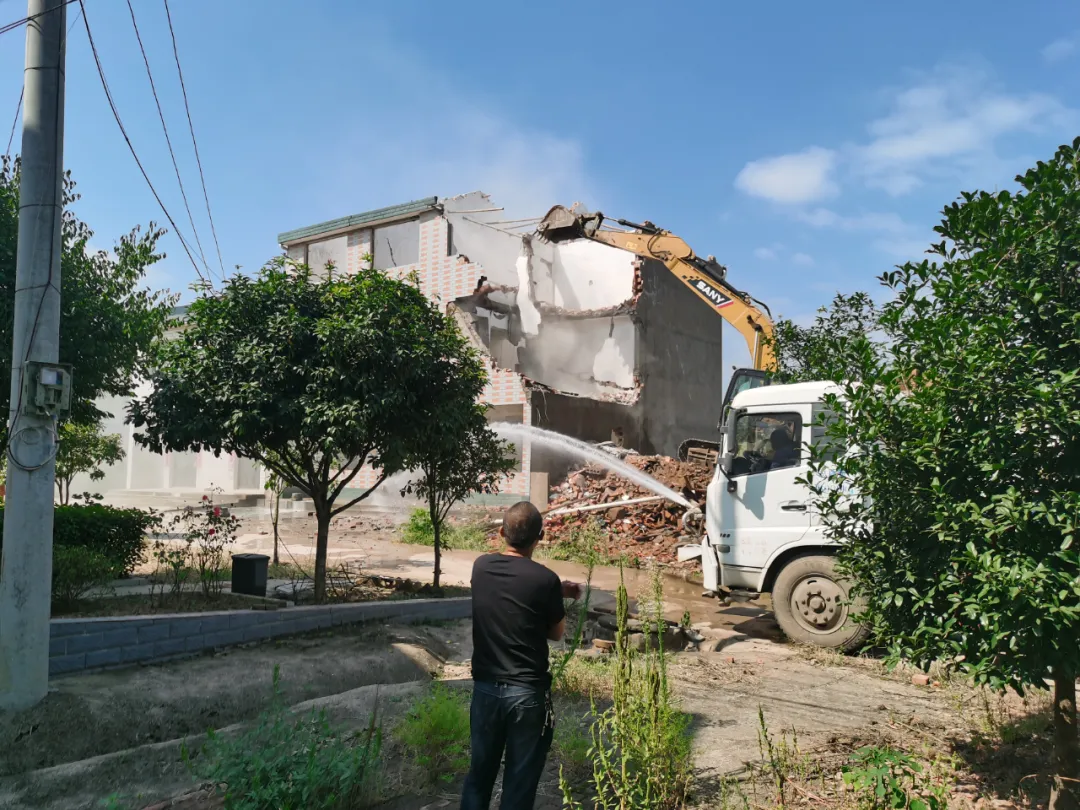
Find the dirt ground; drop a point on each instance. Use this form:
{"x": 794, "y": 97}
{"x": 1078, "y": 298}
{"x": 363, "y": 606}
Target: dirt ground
{"x": 120, "y": 732}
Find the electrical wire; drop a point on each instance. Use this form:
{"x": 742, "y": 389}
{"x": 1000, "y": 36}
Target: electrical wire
{"x": 11, "y": 26}
{"x": 131, "y": 147}
{"x": 22, "y": 92}
{"x": 15, "y": 122}
{"x": 191, "y": 129}
{"x": 168, "y": 140}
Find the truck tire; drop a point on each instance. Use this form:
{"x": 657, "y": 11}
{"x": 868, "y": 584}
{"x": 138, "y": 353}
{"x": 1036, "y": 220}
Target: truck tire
{"x": 809, "y": 599}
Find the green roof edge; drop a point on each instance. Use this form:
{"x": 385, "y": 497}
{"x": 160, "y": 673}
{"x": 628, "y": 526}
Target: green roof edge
{"x": 356, "y": 220}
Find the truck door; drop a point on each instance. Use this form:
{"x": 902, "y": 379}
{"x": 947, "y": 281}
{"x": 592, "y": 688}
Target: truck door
{"x": 760, "y": 508}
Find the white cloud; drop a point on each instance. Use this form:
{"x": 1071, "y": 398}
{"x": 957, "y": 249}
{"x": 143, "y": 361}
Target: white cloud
{"x": 800, "y": 177}
{"x": 1060, "y": 49}
{"x": 765, "y": 254}
{"x": 827, "y": 218}
{"x": 905, "y": 249}
{"x": 953, "y": 123}
{"x": 446, "y": 141}
{"x": 802, "y": 260}
{"x": 950, "y": 121}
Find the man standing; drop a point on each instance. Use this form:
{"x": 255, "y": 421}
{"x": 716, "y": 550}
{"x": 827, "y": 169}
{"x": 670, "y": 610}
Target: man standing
{"x": 517, "y": 606}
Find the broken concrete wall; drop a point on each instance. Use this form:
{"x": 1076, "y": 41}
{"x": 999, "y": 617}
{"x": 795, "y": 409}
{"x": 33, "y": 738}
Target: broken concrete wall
{"x": 680, "y": 362}
{"x": 572, "y": 330}
{"x": 585, "y": 419}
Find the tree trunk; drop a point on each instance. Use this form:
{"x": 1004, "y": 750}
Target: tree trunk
{"x": 436, "y": 526}
{"x": 322, "y": 541}
{"x": 1065, "y": 794}
{"x": 276, "y": 520}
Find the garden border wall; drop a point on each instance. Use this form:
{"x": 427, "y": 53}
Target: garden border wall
{"x": 77, "y": 645}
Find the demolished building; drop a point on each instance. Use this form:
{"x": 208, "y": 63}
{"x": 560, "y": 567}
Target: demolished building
{"x": 581, "y": 338}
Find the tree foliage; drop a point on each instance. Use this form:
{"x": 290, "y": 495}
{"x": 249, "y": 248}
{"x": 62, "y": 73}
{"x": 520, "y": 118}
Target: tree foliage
{"x": 963, "y": 539}
{"x": 460, "y": 455}
{"x": 84, "y": 449}
{"x": 821, "y": 351}
{"x": 108, "y": 320}
{"x": 310, "y": 376}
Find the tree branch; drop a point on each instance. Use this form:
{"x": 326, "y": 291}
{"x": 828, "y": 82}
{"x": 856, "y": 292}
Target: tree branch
{"x": 348, "y": 479}
{"x": 357, "y": 500}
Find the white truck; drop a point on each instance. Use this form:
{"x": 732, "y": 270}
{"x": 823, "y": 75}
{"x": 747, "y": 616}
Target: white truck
{"x": 762, "y": 532}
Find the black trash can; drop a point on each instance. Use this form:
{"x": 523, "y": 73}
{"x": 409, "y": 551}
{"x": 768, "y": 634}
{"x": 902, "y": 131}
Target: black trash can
{"x": 249, "y": 573}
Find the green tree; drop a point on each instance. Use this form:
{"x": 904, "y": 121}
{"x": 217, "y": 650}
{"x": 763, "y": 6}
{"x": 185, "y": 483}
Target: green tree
{"x": 963, "y": 538}
{"x": 821, "y": 351}
{"x": 310, "y": 376}
{"x": 275, "y": 485}
{"x": 108, "y": 320}
{"x": 84, "y": 449}
{"x": 460, "y": 456}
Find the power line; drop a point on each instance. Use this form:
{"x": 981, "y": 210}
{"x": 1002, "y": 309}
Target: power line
{"x": 15, "y": 123}
{"x": 11, "y": 26}
{"x": 191, "y": 129}
{"x": 22, "y": 92}
{"x": 131, "y": 147}
{"x": 168, "y": 140}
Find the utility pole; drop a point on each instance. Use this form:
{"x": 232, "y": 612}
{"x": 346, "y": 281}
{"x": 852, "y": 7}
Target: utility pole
{"x": 26, "y": 573}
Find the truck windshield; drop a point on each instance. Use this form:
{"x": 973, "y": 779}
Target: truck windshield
{"x": 766, "y": 442}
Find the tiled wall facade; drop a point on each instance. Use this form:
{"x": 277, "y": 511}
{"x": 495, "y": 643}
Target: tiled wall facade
{"x": 444, "y": 278}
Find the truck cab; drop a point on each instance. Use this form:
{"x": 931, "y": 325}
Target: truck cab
{"x": 762, "y": 533}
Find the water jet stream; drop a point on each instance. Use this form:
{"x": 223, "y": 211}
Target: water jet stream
{"x": 580, "y": 449}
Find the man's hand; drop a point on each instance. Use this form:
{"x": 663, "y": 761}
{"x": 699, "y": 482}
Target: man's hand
{"x": 571, "y": 590}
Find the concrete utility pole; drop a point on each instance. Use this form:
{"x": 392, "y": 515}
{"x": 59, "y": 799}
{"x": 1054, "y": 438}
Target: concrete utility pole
{"x": 26, "y": 574}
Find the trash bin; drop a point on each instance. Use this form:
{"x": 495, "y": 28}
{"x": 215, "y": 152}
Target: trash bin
{"x": 249, "y": 573}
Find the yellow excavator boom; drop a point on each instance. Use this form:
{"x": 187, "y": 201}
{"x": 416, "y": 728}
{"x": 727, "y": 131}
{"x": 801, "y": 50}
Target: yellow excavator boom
{"x": 705, "y": 277}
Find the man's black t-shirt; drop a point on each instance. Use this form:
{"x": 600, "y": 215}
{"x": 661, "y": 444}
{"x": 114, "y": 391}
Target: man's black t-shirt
{"x": 515, "y": 602}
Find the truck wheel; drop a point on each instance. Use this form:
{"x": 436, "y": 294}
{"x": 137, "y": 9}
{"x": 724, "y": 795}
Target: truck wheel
{"x": 809, "y": 599}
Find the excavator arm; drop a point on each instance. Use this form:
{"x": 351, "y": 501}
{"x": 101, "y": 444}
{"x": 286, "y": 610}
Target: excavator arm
{"x": 705, "y": 277}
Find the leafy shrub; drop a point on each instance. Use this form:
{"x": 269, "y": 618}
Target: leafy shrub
{"x": 77, "y": 571}
{"x": 435, "y": 733}
{"x": 291, "y": 762}
{"x": 418, "y": 531}
{"x": 886, "y": 779}
{"x": 208, "y": 531}
{"x": 118, "y": 534}
{"x": 640, "y": 753}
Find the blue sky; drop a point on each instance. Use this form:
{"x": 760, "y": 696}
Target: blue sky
{"x": 808, "y": 149}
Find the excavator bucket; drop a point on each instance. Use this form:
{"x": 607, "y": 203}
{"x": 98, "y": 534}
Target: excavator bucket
{"x": 560, "y": 224}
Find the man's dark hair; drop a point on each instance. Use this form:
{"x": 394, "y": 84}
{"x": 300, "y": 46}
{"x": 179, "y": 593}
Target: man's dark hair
{"x": 522, "y": 525}
{"x": 781, "y": 438}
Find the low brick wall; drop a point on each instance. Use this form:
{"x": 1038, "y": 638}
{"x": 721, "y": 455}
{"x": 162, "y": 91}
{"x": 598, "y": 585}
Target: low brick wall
{"x": 82, "y": 644}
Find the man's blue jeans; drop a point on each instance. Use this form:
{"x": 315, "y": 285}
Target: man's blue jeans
{"x": 519, "y": 721}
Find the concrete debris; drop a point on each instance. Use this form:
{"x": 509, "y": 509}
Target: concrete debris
{"x": 648, "y": 530}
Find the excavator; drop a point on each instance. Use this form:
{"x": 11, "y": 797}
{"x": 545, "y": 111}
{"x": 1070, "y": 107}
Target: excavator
{"x": 706, "y": 277}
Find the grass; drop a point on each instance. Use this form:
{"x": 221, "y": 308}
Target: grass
{"x": 418, "y": 531}
{"x": 291, "y": 762}
{"x": 434, "y": 734}
{"x": 583, "y": 544}
{"x": 572, "y": 746}
{"x": 140, "y": 605}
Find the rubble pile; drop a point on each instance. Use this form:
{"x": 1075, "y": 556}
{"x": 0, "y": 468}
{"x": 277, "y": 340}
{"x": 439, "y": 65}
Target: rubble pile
{"x": 643, "y": 532}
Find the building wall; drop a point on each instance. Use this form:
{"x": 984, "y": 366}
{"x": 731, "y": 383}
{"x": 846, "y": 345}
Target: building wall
{"x": 681, "y": 362}
{"x": 592, "y": 357}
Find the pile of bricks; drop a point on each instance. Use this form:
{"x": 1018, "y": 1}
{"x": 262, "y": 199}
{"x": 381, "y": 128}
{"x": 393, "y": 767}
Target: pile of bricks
{"x": 646, "y": 532}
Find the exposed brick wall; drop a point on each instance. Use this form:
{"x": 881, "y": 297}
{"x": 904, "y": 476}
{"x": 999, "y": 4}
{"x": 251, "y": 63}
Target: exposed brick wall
{"x": 444, "y": 278}
{"x": 82, "y": 644}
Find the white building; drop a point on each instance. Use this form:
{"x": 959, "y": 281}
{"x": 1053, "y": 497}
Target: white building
{"x": 581, "y": 338}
